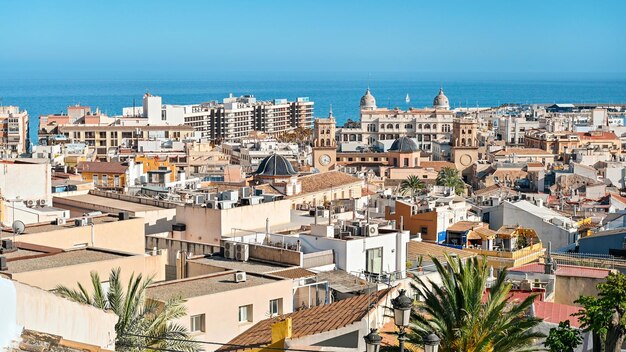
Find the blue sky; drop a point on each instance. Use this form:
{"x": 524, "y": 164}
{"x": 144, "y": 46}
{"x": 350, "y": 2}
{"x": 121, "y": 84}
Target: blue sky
{"x": 138, "y": 37}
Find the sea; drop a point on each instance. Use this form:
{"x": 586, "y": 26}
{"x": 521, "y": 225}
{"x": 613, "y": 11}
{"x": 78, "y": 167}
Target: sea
{"x": 54, "y": 95}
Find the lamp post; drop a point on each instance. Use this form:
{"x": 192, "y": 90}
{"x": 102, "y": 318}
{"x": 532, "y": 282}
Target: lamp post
{"x": 401, "y": 314}
{"x": 431, "y": 343}
{"x": 372, "y": 341}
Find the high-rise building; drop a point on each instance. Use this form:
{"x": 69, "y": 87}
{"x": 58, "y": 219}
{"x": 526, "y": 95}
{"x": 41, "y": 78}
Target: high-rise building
{"x": 13, "y": 131}
{"x": 236, "y": 117}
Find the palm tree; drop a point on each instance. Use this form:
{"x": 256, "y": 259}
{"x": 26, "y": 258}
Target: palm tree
{"x": 142, "y": 324}
{"x": 412, "y": 184}
{"x": 450, "y": 177}
{"x": 466, "y": 317}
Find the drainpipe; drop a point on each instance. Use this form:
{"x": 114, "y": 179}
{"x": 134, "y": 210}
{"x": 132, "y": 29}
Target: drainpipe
{"x": 267, "y": 226}
{"x": 93, "y": 235}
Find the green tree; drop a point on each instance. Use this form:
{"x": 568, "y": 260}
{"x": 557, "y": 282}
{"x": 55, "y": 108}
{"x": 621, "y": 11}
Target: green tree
{"x": 563, "y": 338}
{"x": 467, "y": 319}
{"x": 605, "y": 315}
{"x": 450, "y": 177}
{"x": 412, "y": 184}
{"x": 136, "y": 315}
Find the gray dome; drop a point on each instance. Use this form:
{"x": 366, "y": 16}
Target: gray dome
{"x": 275, "y": 165}
{"x": 441, "y": 101}
{"x": 404, "y": 145}
{"x": 368, "y": 102}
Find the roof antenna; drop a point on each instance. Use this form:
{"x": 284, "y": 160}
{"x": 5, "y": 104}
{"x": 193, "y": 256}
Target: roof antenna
{"x": 330, "y": 112}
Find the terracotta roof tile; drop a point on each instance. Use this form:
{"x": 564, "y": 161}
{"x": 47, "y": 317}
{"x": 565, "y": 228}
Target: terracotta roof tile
{"x": 310, "y": 321}
{"x": 566, "y": 270}
{"x": 103, "y": 167}
{"x": 322, "y": 181}
{"x": 293, "y": 273}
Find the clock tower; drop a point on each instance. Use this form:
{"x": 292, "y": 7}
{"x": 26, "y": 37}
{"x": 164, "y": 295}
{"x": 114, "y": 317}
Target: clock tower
{"x": 464, "y": 144}
{"x": 324, "y": 143}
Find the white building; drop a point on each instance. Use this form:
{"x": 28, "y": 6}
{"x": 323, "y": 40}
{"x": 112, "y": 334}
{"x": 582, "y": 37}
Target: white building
{"x": 551, "y": 226}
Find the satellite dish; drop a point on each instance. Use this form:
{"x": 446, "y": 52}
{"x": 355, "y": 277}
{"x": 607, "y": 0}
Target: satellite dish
{"x": 18, "y": 227}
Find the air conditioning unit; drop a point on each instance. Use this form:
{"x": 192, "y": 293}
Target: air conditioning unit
{"x": 81, "y": 222}
{"x": 242, "y": 252}
{"x": 229, "y": 250}
{"x": 212, "y": 204}
{"x": 371, "y": 230}
{"x": 29, "y": 203}
{"x": 41, "y": 202}
{"x": 60, "y": 221}
{"x": 240, "y": 277}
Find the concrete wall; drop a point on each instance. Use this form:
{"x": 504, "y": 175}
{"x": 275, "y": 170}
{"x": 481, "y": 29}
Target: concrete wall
{"x": 32, "y": 308}
{"x": 209, "y": 225}
{"x": 173, "y": 246}
{"x": 126, "y": 236}
{"x": 570, "y": 288}
{"x": 277, "y": 255}
{"x": 71, "y": 275}
{"x": 601, "y": 244}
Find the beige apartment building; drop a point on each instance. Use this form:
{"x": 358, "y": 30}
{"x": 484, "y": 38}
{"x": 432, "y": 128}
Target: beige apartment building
{"x": 223, "y": 305}
{"x": 104, "y": 138}
{"x": 13, "y": 131}
{"x": 47, "y": 267}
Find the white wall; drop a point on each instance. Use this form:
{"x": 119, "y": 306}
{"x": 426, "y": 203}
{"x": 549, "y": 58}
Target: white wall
{"x": 28, "y": 181}
{"x": 24, "y": 306}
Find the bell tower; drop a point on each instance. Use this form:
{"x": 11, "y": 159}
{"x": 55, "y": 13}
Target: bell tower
{"x": 464, "y": 143}
{"x": 324, "y": 143}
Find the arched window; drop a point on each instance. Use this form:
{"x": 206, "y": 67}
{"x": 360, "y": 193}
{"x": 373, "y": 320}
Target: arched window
{"x": 321, "y": 142}
{"x": 352, "y": 138}
{"x": 398, "y": 126}
{"x": 328, "y": 142}
{"x": 427, "y": 126}
{"x": 382, "y": 126}
{"x": 382, "y": 137}
{"x": 390, "y": 126}
{"x": 419, "y": 126}
{"x": 390, "y": 136}
{"x": 434, "y": 126}
{"x": 327, "y": 131}
{"x": 462, "y": 142}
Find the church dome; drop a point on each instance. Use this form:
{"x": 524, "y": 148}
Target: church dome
{"x": 368, "y": 102}
{"x": 404, "y": 145}
{"x": 441, "y": 101}
{"x": 275, "y": 165}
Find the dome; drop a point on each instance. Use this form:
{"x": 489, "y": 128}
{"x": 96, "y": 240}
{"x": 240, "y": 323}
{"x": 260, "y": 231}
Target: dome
{"x": 441, "y": 101}
{"x": 404, "y": 145}
{"x": 368, "y": 102}
{"x": 275, "y": 165}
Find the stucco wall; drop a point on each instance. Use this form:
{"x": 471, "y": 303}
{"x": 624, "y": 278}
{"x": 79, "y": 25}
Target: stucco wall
{"x": 39, "y": 310}
{"x": 70, "y": 275}
{"x": 209, "y": 225}
{"x": 570, "y": 288}
{"x": 126, "y": 236}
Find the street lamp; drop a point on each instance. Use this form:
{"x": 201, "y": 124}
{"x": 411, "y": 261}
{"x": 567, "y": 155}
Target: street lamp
{"x": 431, "y": 343}
{"x": 402, "y": 314}
{"x": 372, "y": 341}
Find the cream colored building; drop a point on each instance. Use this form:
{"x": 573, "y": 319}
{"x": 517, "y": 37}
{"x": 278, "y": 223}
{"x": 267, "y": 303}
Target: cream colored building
{"x": 48, "y": 268}
{"x": 379, "y": 124}
{"x": 107, "y": 232}
{"x": 220, "y": 308}
{"x": 13, "y": 131}
{"x": 28, "y": 307}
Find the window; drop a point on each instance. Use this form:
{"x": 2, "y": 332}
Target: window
{"x": 424, "y": 231}
{"x": 102, "y": 134}
{"x": 105, "y": 180}
{"x": 116, "y": 180}
{"x": 374, "y": 260}
{"x": 95, "y": 179}
{"x": 276, "y": 307}
{"x": 245, "y": 313}
{"x": 197, "y": 323}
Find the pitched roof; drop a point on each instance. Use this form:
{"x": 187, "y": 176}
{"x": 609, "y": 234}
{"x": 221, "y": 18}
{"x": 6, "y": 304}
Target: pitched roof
{"x": 462, "y": 226}
{"x": 555, "y": 313}
{"x": 310, "y": 321}
{"x": 326, "y": 180}
{"x": 597, "y": 135}
{"x": 108, "y": 167}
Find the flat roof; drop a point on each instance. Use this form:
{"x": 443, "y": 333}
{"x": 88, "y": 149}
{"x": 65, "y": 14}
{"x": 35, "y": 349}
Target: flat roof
{"x": 73, "y": 257}
{"x": 47, "y": 226}
{"x": 205, "y": 285}
{"x": 91, "y": 199}
{"x": 249, "y": 266}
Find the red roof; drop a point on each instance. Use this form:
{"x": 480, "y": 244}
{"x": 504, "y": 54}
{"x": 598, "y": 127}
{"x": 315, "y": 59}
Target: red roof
{"x": 555, "y": 312}
{"x": 565, "y": 270}
{"x": 597, "y": 135}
